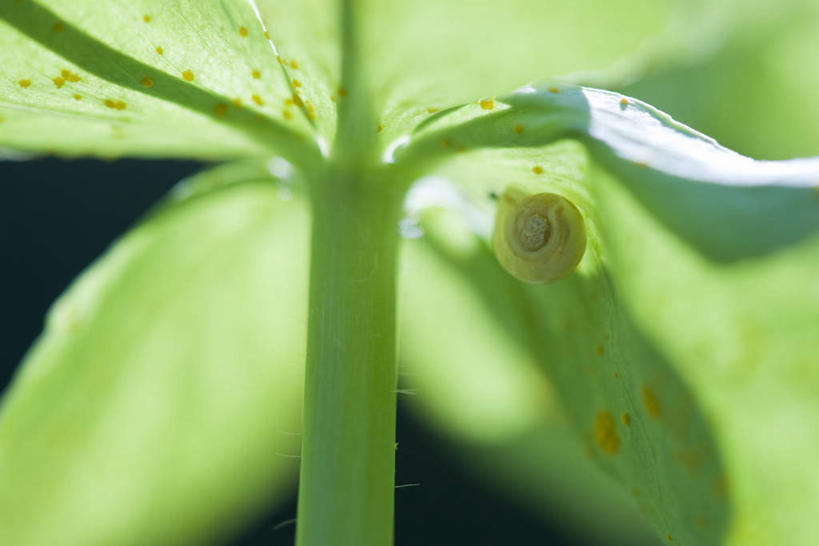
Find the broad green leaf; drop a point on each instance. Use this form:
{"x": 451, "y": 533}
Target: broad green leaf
{"x": 710, "y": 196}
{"x": 622, "y": 395}
{"x": 482, "y": 390}
{"x": 147, "y": 78}
{"x": 434, "y": 54}
{"x": 753, "y": 89}
{"x": 162, "y": 403}
{"x": 711, "y": 361}
{"x": 745, "y": 343}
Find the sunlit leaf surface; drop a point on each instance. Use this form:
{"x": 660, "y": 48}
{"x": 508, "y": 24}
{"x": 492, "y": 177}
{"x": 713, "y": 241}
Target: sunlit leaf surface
{"x": 691, "y": 381}
{"x": 146, "y": 78}
{"x": 162, "y": 403}
{"x": 709, "y": 195}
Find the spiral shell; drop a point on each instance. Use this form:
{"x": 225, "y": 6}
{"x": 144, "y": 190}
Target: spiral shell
{"x": 539, "y": 238}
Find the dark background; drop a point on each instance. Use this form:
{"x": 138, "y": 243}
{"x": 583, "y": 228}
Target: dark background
{"x": 57, "y": 216}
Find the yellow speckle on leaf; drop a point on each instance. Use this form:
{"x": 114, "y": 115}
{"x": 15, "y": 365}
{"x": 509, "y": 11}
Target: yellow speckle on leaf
{"x": 187, "y": 75}
{"x": 159, "y": 50}
{"x": 257, "y": 99}
{"x": 266, "y": 35}
{"x": 311, "y": 111}
{"x": 537, "y": 169}
{"x": 256, "y": 74}
{"x": 445, "y": 143}
{"x": 242, "y": 31}
{"x": 297, "y": 101}
{"x": 296, "y": 83}
{"x": 77, "y": 96}
{"x": 237, "y": 102}
{"x": 487, "y": 104}
{"x": 554, "y": 89}
{"x": 147, "y": 83}
{"x": 287, "y": 114}
{"x": 625, "y": 418}
{"x": 432, "y": 110}
{"x": 598, "y": 350}
{"x": 624, "y": 101}
{"x": 279, "y": 58}
{"x": 58, "y": 82}
{"x": 58, "y": 27}
{"x": 518, "y": 128}
{"x": 668, "y": 538}
{"x": 642, "y": 164}
{"x": 605, "y": 434}
{"x": 294, "y": 65}
{"x": 342, "y": 92}
{"x": 146, "y": 18}
{"x": 69, "y": 76}
{"x": 635, "y": 492}
{"x": 380, "y": 128}
{"x": 650, "y": 402}
{"x": 114, "y": 104}
{"x": 24, "y": 83}
{"x": 220, "y": 110}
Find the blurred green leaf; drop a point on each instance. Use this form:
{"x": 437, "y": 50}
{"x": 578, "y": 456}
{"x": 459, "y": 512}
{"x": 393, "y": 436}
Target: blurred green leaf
{"x": 712, "y": 197}
{"x": 711, "y": 361}
{"x": 743, "y": 338}
{"x": 147, "y": 78}
{"x": 162, "y": 403}
{"x": 752, "y": 85}
{"x": 429, "y": 55}
{"x": 480, "y": 386}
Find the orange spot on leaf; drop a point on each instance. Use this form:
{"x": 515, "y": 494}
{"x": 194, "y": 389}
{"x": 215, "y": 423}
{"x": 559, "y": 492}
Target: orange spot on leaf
{"x": 605, "y": 434}
{"x": 651, "y": 403}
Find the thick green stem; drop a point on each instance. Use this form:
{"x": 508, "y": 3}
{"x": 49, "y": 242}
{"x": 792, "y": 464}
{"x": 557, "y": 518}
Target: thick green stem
{"x": 348, "y": 448}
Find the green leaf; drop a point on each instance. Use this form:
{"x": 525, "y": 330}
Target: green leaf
{"x": 710, "y": 196}
{"x": 622, "y": 395}
{"x": 712, "y": 361}
{"x": 753, "y": 86}
{"x": 162, "y": 403}
{"x": 745, "y": 344}
{"x": 481, "y": 388}
{"x": 145, "y": 78}
{"x": 433, "y": 54}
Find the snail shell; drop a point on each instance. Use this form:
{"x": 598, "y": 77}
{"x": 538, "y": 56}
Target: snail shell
{"x": 539, "y": 238}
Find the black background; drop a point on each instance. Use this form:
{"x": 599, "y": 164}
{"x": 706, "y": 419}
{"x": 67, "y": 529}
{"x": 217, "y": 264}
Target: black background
{"x": 57, "y": 216}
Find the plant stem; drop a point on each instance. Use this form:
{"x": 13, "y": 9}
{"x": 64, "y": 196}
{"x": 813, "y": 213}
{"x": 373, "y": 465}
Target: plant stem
{"x": 348, "y": 446}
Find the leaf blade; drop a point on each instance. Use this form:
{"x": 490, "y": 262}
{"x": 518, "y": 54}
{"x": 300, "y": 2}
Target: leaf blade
{"x": 155, "y": 409}
{"x": 114, "y": 67}
{"x": 709, "y": 195}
